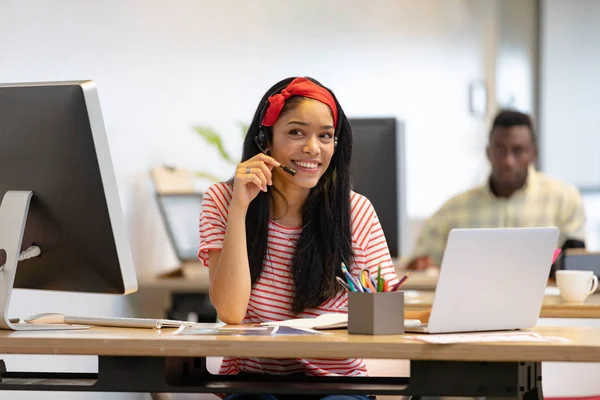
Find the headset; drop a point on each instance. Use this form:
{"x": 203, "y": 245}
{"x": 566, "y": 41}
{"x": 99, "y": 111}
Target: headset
{"x": 261, "y": 138}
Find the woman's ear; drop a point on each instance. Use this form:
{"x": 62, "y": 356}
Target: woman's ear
{"x": 269, "y": 143}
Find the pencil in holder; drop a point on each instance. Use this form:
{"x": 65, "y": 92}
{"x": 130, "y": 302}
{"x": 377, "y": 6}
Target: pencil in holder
{"x": 379, "y": 313}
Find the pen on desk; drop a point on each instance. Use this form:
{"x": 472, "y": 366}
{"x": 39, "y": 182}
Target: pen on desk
{"x": 359, "y": 284}
{"x": 343, "y": 283}
{"x": 400, "y": 282}
{"x": 363, "y": 281}
{"x": 373, "y": 283}
{"x": 379, "y": 279}
{"x": 368, "y": 281}
{"x": 351, "y": 284}
{"x": 351, "y": 279}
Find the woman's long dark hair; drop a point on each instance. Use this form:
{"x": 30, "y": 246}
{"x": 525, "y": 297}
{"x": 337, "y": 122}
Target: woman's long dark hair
{"x": 326, "y": 238}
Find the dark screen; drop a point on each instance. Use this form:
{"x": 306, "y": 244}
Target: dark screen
{"x": 374, "y": 171}
{"x": 46, "y": 146}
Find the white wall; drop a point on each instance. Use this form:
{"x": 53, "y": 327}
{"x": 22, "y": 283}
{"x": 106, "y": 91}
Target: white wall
{"x": 163, "y": 66}
{"x": 516, "y": 54}
{"x": 570, "y": 61}
{"x": 592, "y": 206}
{"x": 569, "y": 88}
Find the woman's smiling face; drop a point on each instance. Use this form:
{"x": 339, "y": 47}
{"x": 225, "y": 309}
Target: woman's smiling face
{"x": 303, "y": 138}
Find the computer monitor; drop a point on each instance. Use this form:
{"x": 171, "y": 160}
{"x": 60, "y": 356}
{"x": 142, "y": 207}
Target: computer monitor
{"x": 59, "y": 195}
{"x": 175, "y": 209}
{"x": 377, "y": 172}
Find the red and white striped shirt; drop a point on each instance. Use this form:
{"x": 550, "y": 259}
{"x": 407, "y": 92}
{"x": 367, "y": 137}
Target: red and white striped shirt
{"x": 271, "y": 295}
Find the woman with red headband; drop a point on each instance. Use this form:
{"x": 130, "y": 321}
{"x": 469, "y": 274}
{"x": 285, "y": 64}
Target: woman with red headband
{"x": 275, "y": 236}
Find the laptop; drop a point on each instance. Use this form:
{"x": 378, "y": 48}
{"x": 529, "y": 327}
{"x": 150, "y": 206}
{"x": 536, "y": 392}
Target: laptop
{"x": 491, "y": 279}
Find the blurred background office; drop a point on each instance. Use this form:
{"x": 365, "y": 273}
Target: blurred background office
{"x": 441, "y": 67}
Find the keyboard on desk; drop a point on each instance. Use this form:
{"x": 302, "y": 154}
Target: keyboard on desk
{"x": 124, "y": 322}
{"x": 121, "y": 322}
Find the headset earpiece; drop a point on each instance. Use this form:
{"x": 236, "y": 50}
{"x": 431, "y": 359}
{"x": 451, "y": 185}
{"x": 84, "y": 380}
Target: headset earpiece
{"x": 261, "y": 139}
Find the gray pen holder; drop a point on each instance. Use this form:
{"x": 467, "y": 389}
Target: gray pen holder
{"x": 376, "y": 313}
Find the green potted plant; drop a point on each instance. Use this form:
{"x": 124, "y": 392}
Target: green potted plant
{"x": 213, "y": 138}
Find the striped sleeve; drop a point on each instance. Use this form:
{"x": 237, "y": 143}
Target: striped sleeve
{"x": 213, "y": 219}
{"x": 371, "y": 239}
{"x": 572, "y": 217}
{"x": 432, "y": 238}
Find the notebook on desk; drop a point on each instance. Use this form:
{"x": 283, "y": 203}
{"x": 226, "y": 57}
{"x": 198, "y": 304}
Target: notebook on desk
{"x": 324, "y": 321}
{"x": 491, "y": 279}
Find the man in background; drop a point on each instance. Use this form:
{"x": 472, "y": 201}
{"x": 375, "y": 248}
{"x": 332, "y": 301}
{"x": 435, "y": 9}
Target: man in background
{"x": 515, "y": 195}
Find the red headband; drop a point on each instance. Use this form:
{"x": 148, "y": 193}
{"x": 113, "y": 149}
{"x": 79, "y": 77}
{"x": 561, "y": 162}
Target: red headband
{"x": 298, "y": 87}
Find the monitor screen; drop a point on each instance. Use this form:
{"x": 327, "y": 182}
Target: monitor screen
{"x": 53, "y": 143}
{"x": 377, "y": 172}
{"x": 176, "y": 209}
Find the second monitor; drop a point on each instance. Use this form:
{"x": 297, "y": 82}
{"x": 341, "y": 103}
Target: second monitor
{"x": 377, "y": 172}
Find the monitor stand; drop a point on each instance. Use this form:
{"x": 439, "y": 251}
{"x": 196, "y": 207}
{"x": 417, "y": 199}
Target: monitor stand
{"x": 13, "y": 216}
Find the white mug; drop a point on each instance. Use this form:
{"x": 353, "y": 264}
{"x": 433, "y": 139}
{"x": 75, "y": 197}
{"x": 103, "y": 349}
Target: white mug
{"x": 576, "y": 286}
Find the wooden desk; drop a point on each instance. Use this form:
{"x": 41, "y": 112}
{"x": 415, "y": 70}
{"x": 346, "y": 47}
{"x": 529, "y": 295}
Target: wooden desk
{"x": 426, "y": 281}
{"x": 584, "y": 345}
{"x": 143, "y": 360}
{"x": 552, "y": 307}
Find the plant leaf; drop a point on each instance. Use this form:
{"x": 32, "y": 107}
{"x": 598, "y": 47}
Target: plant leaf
{"x": 244, "y": 127}
{"x": 214, "y": 139}
{"x": 208, "y": 175}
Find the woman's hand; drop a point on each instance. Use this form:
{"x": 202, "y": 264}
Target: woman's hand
{"x": 251, "y": 177}
{"x": 420, "y": 263}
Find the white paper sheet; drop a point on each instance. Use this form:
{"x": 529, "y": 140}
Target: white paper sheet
{"x": 448, "y": 338}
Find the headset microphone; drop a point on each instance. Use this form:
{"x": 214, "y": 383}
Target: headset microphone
{"x": 289, "y": 170}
